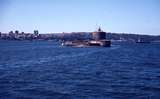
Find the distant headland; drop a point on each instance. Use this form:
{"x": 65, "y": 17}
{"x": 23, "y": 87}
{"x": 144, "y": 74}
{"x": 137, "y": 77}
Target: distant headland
{"x": 117, "y": 37}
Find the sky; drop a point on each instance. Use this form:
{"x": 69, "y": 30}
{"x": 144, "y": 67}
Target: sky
{"x": 50, "y": 16}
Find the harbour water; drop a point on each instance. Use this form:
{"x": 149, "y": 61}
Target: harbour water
{"x": 45, "y": 70}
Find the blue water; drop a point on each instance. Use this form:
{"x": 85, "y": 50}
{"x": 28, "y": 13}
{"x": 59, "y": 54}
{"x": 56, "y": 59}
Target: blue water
{"x": 45, "y": 70}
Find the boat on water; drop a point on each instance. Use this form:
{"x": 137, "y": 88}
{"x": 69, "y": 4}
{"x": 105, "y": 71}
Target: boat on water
{"x": 142, "y": 41}
{"x": 98, "y": 40}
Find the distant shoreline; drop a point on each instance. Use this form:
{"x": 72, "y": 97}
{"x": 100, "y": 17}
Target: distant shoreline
{"x": 76, "y": 36}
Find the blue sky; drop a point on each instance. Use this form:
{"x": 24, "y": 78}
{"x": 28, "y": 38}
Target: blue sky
{"x": 122, "y": 16}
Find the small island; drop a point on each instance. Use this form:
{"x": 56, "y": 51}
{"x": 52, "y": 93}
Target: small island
{"x": 98, "y": 39}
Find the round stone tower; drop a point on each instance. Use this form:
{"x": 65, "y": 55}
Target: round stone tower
{"x": 99, "y": 35}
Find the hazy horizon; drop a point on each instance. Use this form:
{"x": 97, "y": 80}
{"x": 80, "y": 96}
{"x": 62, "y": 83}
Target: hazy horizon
{"x": 55, "y": 16}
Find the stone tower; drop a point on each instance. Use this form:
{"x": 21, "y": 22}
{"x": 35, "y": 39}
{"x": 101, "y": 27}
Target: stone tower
{"x": 99, "y": 35}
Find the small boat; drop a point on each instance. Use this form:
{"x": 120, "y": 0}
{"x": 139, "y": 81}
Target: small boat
{"x": 140, "y": 41}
